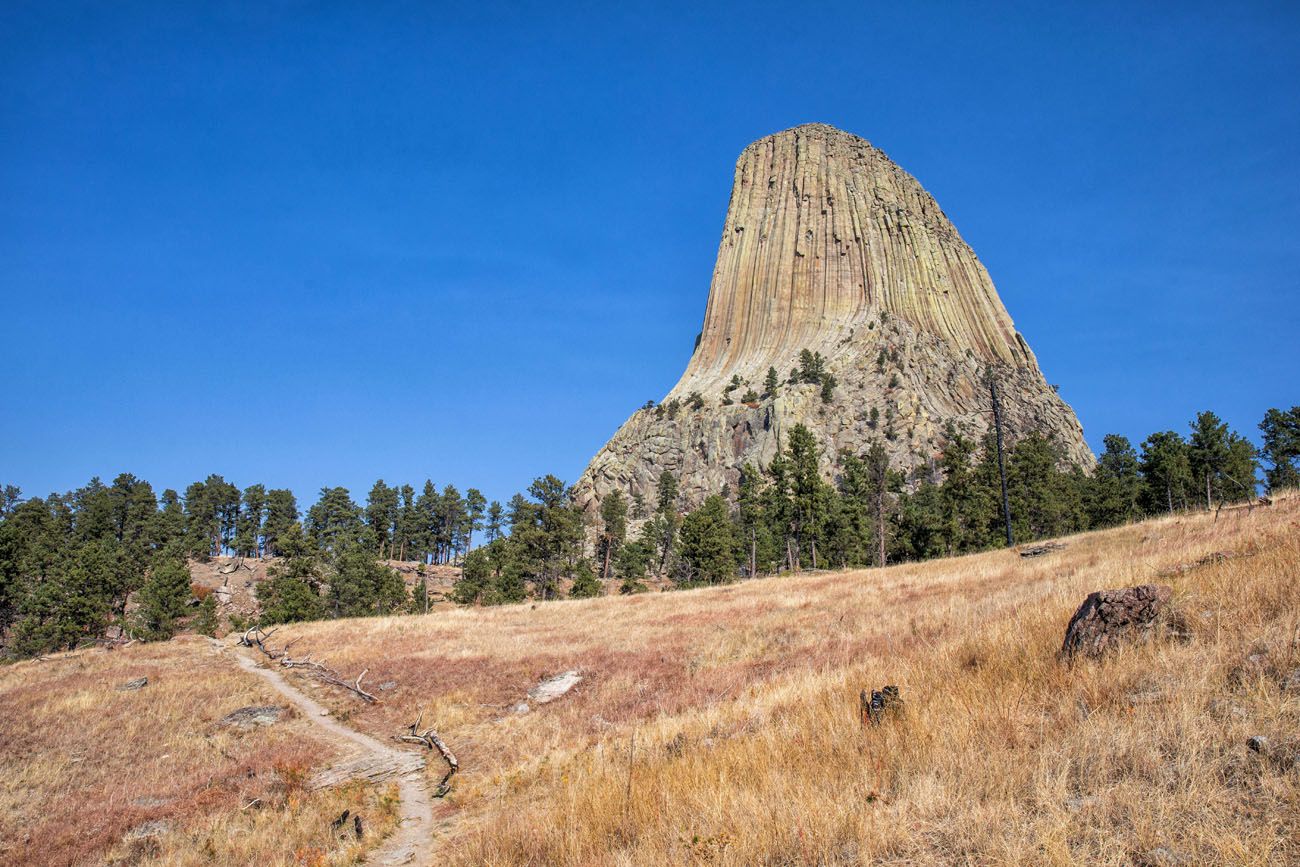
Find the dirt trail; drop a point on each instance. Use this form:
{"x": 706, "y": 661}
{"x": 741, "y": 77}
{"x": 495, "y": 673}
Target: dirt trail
{"x": 412, "y": 842}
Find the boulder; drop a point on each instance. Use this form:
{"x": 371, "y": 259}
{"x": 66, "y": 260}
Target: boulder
{"x": 1110, "y": 617}
{"x": 252, "y": 716}
{"x": 554, "y": 687}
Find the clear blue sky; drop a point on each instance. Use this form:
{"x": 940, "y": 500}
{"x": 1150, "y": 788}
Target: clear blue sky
{"x": 310, "y": 244}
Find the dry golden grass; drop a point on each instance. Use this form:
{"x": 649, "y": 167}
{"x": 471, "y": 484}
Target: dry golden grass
{"x": 743, "y": 704}
{"x": 85, "y": 768}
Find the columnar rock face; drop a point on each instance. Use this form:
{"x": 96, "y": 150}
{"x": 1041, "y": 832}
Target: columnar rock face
{"x": 829, "y": 246}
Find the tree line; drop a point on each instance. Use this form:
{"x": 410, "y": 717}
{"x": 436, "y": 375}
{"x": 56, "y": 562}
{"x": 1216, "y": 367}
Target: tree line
{"x": 787, "y": 517}
{"x": 72, "y": 564}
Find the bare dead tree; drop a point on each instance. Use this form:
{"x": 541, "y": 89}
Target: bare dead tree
{"x": 255, "y": 637}
{"x": 1002, "y": 467}
{"x": 430, "y": 739}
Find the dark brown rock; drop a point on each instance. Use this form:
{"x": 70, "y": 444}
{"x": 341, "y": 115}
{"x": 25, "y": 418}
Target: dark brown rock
{"x": 1109, "y": 617}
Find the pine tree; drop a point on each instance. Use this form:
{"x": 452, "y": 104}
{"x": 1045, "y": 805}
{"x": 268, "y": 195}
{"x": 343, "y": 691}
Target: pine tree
{"x": 1043, "y": 500}
{"x": 778, "y": 508}
{"x": 383, "y": 506}
{"x": 585, "y": 583}
{"x": 334, "y": 523}
{"x": 475, "y": 577}
{"x": 879, "y": 479}
{"x": 812, "y": 367}
{"x": 1208, "y": 452}
{"x": 772, "y": 383}
{"x": 633, "y": 560}
{"x": 451, "y": 523}
{"x": 961, "y": 508}
{"x": 1116, "y": 484}
{"x": 1166, "y": 472}
{"x": 475, "y": 506}
{"x": 921, "y": 523}
{"x": 361, "y": 587}
{"x": 133, "y": 508}
{"x": 495, "y": 521}
{"x": 855, "y": 519}
{"x": 708, "y": 544}
{"x": 10, "y": 497}
{"x": 808, "y": 495}
{"x": 202, "y": 526}
{"x": 667, "y": 519}
{"x": 1281, "y": 448}
{"x": 207, "y": 622}
{"x": 163, "y": 598}
{"x": 1237, "y": 478}
{"x": 281, "y": 520}
{"x": 293, "y": 589}
{"x": 70, "y": 604}
{"x": 424, "y": 529}
{"x": 613, "y": 516}
{"x": 248, "y": 529}
{"x": 169, "y": 521}
{"x": 492, "y": 574}
{"x": 546, "y": 535}
{"x": 828, "y": 387}
{"x": 408, "y": 525}
{"x": 754, "y": 524}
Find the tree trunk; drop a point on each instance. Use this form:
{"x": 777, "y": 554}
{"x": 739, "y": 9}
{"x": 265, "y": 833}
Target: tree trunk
{"x": 814, "y": 554}
{"x": 1169, "y": 491}
{"x": 1002, "y": 467}
{"x": 880, "y": 530}
{"x": 753, "y": 552}
{"x": 604, "y": 570}
{"x": 1208, "y": 504}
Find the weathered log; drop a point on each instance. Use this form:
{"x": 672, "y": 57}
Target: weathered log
{"x": 433, "y": 741}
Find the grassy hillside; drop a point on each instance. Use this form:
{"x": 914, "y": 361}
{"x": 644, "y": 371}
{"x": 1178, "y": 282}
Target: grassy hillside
{"x": 91, "y": 774}
{"x": 720, "y": 726}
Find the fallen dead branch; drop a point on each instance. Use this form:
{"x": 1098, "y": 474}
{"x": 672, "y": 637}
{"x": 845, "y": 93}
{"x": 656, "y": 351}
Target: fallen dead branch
{"x": 1040, "y": 550}
{"x": 255, "y": 637}
{"x": 430, "y": 739}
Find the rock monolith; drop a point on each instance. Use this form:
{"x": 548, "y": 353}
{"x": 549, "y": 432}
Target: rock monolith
{"x": 830, "y": 247}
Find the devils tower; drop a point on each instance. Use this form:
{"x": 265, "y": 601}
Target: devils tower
{"x": 830, "y": 247}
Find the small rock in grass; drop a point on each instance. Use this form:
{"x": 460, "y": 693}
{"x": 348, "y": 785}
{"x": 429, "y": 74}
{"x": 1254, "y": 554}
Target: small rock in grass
{"x": 1075, "y": 805}
{"x": 150, "y": 802}
{"x": 1223, "y": 708}
{"x": 252, "y": 716}
{"x": 152, "y": 828}
{"x": 1161, "y": 856}
{"x": 1258, "y": 744}
{"x": 137, "y": 683}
